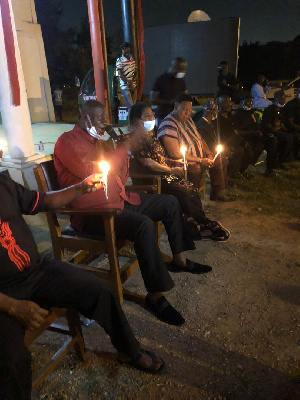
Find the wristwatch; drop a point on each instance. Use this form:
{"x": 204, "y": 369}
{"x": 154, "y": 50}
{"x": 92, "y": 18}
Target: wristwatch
{"x": 200, "y": 160}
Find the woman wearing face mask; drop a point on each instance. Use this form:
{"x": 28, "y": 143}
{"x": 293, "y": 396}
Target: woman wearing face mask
{"x": 151, "y": 159}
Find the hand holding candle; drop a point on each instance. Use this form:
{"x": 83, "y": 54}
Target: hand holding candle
{"x": 219, "y": 149}
{"x": 104, "y": 168}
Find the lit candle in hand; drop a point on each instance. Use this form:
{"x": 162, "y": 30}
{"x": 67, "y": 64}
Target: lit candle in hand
{"x": 219, "y": 149}
{"x": 183, "y": 151}
{"x": 2, "y": 146}
{"x": 104, "y": 168}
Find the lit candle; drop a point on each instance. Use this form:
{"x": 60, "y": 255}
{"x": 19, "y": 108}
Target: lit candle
{"x": 2, "y": 146}
{"x": 183, "y": 151}
{"x": 104, "y": 167}
{"x": 219, "y": 149}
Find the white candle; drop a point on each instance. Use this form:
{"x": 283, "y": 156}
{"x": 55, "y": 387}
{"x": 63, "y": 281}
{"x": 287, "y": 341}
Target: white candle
{"x": 183, "y": 151}
{"x": 219, "y": 149}
{"x": 104, "y": 167}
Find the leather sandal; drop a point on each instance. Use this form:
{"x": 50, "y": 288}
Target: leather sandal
{"x": 152, "y": 369}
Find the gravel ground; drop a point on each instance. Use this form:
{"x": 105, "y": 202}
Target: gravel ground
{"x": 241, "y": 336}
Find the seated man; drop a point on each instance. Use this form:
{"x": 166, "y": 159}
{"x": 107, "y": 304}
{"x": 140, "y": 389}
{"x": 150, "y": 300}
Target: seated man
{"x": 292, "y": 121}
{"x": 31, "y": 284}
{"x": 244, "y": 122}
{"x": 77, "y": 153}
{"x": 259, "y": 91}
{"x": 238, "y": 150}
{"x": 278, "y": 141}
{"x": 178, "y": 129}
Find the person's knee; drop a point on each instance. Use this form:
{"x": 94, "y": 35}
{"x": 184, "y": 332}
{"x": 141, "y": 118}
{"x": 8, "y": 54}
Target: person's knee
{"x": 14, "y": 357}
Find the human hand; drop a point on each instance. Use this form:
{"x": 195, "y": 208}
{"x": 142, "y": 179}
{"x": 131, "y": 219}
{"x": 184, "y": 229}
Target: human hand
{"x": 257, "y": 133}
{"x": 137, "y": 136}
{"x": 177, "y": 171}
{"x": 92, "y": 183}
{"x": 206, "y": 162}
{"x": 30, "y": 314}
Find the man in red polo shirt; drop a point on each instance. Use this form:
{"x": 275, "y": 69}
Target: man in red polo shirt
{"x": 76, "y": 155}
{"x": 31, "y": 284}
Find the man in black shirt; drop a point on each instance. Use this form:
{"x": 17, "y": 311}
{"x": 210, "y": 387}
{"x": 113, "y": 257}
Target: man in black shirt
{"x": 278, "y": 141}
{"x": 245, "y": 123}
{"x": 238, "y": 150}
{"x": 31, "y": 284}
{"x": 292, "y": 121}
{"x": 228, "y": 83}
{"x": 167, "y": 87}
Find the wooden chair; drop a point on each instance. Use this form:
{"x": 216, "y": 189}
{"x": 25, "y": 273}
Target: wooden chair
{"x": 82, "y": 244}
{"x": 72, "y": 331}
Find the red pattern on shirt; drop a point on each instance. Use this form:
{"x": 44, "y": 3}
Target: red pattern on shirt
{"x": 19, "y": 257}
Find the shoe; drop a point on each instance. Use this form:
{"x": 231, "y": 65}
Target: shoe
{"x": 163, "y": 310}
{"x": 271, "y": 174}
{"x": 221, "y": 196}
{"x": 191, "y": 266}
{"x": 158, "y": 365}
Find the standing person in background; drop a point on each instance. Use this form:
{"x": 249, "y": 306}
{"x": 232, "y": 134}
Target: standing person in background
{"x": 58, "y": 95}
{"x": 167, "y": 87}
{"x": 127, "y": 75}
{"x": 259, "y": 91}
{"x": 278, "y": 141}
{"x": 227, "y": 83}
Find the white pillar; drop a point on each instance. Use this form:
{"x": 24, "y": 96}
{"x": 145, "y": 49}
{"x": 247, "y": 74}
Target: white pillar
{"x": 16, "y": 119}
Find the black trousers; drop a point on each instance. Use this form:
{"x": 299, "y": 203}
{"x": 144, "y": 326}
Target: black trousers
{"x": 279, "y": 149}
{"x": 57, "y": 284}
{"x": 135, "y": 223}
{"x": 239, "y": 159}
{"x": 257, "y": 146}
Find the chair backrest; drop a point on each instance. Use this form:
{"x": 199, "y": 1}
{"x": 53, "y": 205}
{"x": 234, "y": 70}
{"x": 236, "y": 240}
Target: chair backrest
{"x": 50, "y": 176}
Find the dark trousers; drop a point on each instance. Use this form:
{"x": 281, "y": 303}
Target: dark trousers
{"x": 58, "y": 111}
{"x": 57, "y": 284}
{"x": 239, "y": 157}
{"x": 257, "y": 145}
{"x": 135, "y": 223}
{"x": 218, "y": 174}
{"x": 279, "y": 149}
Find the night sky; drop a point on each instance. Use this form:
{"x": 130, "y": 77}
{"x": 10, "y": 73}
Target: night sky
{"x": 261, "y": 20}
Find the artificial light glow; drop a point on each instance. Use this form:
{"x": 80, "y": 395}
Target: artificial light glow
{"x": 219, "y": 149}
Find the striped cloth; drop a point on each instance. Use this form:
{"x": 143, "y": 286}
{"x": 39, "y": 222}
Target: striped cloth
{"x": 185, "y": 132}
{"x": 128, "y": 67}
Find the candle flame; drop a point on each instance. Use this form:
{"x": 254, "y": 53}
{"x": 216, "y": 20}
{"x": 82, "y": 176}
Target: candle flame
{"x": 2, "y": 144}
{"x": 183, "y": 149}
{"x": 219, "y": 148}
{"x": 104, "y": 167}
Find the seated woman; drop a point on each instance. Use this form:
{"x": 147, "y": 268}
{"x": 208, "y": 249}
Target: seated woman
{"x": 151, "y": 159}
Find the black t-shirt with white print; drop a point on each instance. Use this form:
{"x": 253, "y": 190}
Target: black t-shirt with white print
{"x": 18, "y": 250}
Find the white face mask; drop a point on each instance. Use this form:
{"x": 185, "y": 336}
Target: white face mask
{"x": 298, "y": 96}
{"x": 246, "y": 108}
{"x": 279, "y": 105}
{"x": 92, "y": 130}
{"x": 149, "y": 125}
{"x": 180, "y": 75}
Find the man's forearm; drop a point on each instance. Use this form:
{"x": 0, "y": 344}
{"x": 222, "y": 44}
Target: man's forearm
{"x": 6, "y": 303}
{"x": 55, "y": 200}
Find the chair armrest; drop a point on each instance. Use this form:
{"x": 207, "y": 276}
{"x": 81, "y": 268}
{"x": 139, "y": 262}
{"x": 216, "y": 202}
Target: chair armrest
{"x": 154, "y": 179}
{"x": 90, "y": 211}
{"x": 141, "y": 188}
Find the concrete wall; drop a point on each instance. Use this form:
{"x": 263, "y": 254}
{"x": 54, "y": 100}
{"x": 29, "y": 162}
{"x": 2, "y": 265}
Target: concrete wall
{"x": 33, "y": 59}
{"x": 202, "y": 44}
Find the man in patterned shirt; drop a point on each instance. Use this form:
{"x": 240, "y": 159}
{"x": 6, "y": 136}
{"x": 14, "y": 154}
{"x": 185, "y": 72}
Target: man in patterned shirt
{"x": 127, "y": 75}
